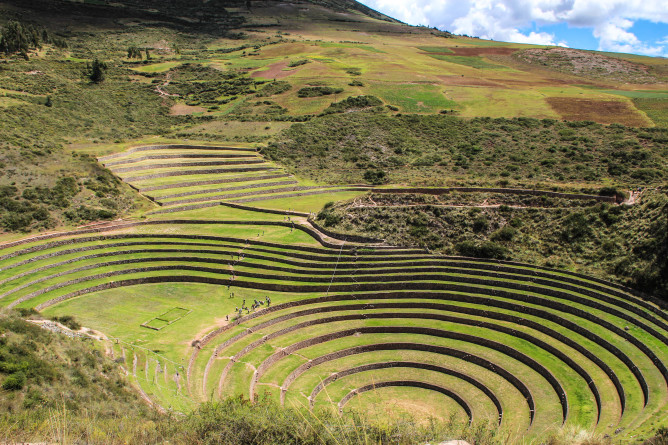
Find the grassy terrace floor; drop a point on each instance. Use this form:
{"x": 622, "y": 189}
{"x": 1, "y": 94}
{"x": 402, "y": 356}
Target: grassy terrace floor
{"x": 186, "y": 177}
{"x": 533, "y": 347}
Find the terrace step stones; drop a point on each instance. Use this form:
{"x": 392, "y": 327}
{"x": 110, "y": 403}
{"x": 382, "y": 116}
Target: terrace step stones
{"x": 177, "y": 177}
{"x": 503, "y": 342}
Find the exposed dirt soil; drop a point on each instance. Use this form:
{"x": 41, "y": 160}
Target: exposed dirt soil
{"x": 183, "y": 109}
{"x": 275, "y": 71}
{"x": 601, "y": 111}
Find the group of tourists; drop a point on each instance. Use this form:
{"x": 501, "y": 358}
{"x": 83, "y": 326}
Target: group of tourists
{"x": 256, "y": 304}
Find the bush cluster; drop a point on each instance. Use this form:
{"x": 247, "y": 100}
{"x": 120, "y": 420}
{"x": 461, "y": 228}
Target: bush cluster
{"x": 318, "y": 91}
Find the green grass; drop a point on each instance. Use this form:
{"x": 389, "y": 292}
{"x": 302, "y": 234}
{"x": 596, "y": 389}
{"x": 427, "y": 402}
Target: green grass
{"x": 304, "y": 203}
{"x": 157, "y": 67}
{"x": 412, "y": 98}
{"x": 655, "y": 109}
{"x": 473, "y": 62}
{"x": 350, "y": 45}
{"x": 435, "y": 49}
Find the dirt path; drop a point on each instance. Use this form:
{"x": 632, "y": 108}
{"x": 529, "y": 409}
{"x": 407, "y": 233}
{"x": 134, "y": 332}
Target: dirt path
{"x": 159, "y": 88}
{"x": 634, "y": 196}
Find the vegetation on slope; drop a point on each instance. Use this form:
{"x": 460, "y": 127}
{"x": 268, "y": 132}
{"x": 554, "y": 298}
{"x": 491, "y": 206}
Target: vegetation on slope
{"x": 588, "y": 64}
{"x": 58, "y": 388}
{"x": 628, "y": 244}
{"x": 430, "y": 149}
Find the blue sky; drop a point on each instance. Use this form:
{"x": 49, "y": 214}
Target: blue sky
{"x": 630, "y": 26}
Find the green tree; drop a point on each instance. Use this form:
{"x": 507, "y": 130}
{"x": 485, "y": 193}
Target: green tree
{"x": 18, "y": 37}
{"x": 96, "y": 71}
{"x": 134, "y": 52}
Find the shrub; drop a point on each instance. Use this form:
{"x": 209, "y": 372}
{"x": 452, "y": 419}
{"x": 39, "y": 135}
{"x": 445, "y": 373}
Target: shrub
{"x": 576, "y": 226}
{"x": 646, "y": 174}
{"x": 427, "y": 160}
{"x": 480, "y": 224}
{"x": 299, "y": 62}
{"x": 68, "y": 321}
{"x": 375, "y": 177}
{"x": 505, "y": 233}
{"x": 486, "y": 249}
{"x": 274, "y": 88}
{"x": 89, "y": 214}
{"x": 352, "y": 103}
{"x": 612, "y": 191}
{"x": 14, "y": 382}
{"x": 16, "y": 221}
{"x": 318, "y": 91}
{"x": 328, "y": 218}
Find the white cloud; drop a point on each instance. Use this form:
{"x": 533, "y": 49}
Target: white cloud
{"x": 610, "y": 20}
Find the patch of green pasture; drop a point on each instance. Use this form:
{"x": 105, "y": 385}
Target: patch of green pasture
{"x": 655, "y": 109}
{"x": 597, "y": 374}
{"x": 157, "y": 67}
{"x": 103, "y": 149}
{"x": 639, "y": 94}
{"x": 251, "y": 62}
{"x": 513, "y": 413}
{"x": 481, "y": 42}
{"x": 229, "y": 213}
{"x": 120, "y": 313}
{"x": 152, "y": 166}
{"x": 435, "y": 49}
{"x": 191, "y": 170}
{"x": 224, "y": 151}
{"x": 6, "y": 102}
{"x": 501, "y": 102}
{"x": 370, "y": 48}
{"x": 413, "y": 98}
{"x": 312, "y": 203}
{"x": 543, "y": 394}
{"x": 472, "y": 61}
{"x": 275, "y": 234}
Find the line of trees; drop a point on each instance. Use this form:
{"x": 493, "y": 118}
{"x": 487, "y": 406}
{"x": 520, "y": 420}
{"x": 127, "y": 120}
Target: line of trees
{"x": 19, "y": 38}
{"x": 134, "y": 52}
